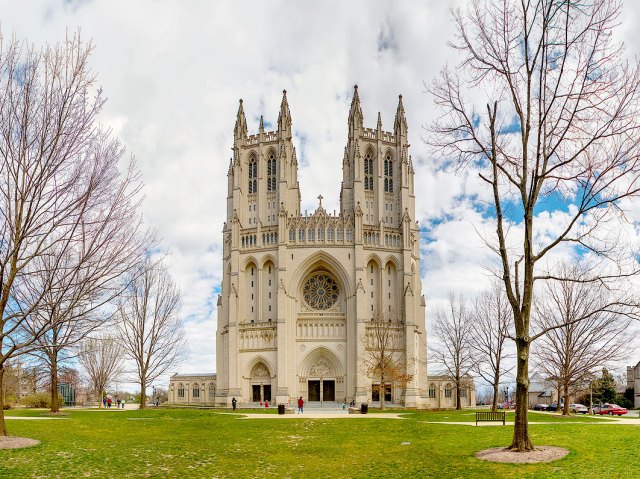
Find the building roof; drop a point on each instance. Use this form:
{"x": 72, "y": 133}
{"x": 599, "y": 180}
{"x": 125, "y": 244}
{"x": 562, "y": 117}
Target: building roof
{"x": 193, "y": 375}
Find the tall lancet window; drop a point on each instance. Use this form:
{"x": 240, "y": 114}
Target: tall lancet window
{"x": 388, "y": 174}
{"x": 368, "y": 172}
{"x": 253, "y": 176}
{"x": 271, "y": 172}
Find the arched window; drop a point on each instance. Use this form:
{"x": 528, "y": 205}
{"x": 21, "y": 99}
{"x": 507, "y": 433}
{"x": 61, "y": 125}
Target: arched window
{"x": 432, "y": 391}
{"x": 311, "y": 234}
{"x": 368, "y": 172}
{"x": 301, "y": 234}
{"x": 253, "y": 176}
{"x": 212, "y": 391}
{"x": 349, "y": 235}
{"x": 181, "y": 391}
{"x": 196, "y": 391}
{"x": 271, "y": 172}
{"x": 388, "y": 174}
{"x": 292, "y": 234}
{"x": 330, "y": 234}
{"x": 447, "y": 391}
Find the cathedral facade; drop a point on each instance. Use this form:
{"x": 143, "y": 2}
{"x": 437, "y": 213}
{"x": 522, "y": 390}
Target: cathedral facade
{"x": 305, "y": 297}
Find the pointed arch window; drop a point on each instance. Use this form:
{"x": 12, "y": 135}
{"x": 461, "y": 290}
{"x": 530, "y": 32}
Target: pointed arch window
{"x": 432, "y": 391}
{"x": 196, "y": 391}
{"x": 368, "y": 172}
{"x": 253, "y": 176}
{"x": 181, "y": 391}
{"x": 388, "y": 174}
{"x": 271, "y": 172}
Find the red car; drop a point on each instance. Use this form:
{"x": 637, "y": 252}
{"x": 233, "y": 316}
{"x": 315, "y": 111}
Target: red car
{"x": 611, "y": 409}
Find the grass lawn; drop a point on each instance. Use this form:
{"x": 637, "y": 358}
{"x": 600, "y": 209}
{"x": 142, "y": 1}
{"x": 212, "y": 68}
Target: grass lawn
{"x": 197, "y": 444}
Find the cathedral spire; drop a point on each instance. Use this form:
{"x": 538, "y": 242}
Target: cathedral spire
{"x": 240, "y": 130}
{"x": 379, "y": 125}
{"x": 355, "y": 113}
{"x": 284, "y": 118}
{"x": 400, "y": 124}
{"x": 261, "y": 129}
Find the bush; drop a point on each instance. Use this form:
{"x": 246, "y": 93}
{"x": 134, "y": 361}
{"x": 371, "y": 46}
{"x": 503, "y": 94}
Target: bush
{"x": 621, "y": 400}
{"x": 39, "y": 400}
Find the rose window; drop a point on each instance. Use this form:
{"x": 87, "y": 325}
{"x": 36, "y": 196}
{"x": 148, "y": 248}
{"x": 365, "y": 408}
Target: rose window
{"x": 320, "y": 291}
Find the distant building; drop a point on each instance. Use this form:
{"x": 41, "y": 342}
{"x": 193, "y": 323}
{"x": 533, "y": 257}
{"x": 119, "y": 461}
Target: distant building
{"x": 633, "y": 382}
{"x": 541, "y": 391}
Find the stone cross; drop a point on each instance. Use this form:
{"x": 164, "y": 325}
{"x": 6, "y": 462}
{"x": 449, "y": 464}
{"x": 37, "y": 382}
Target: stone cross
{"x": 320, "y": 198}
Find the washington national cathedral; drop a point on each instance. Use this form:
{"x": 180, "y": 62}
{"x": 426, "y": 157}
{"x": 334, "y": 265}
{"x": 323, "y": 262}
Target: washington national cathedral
{"x": 303, "y": 294}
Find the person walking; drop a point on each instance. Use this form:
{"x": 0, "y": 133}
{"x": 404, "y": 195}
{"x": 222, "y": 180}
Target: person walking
{"x": 234, "y": 403}
{"x": 104, "y": 401}
{"x": 122, "y": 404}
{"x": 300, "y": 405}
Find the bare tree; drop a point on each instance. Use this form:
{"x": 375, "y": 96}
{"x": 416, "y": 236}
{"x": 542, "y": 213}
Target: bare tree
{"x": 492, "y": 318}
{"x": 583, "y": 332}
{"x": 101, "y": 359}
{"x": 150, "y": 328}
{"x": 560, "y": 123}
{"x": 384, "y": 358}
{"x": 66, "y": 213}
{"x": 453, "y": 330}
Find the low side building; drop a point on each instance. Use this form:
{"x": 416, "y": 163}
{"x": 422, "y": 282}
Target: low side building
{"x": 192, "y": 389}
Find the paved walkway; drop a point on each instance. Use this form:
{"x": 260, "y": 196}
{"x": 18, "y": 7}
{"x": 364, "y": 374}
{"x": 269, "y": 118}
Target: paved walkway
{"x": 322, "y": 415}
{"x": 596, "y": 420}
{"x": 32, "y": 418}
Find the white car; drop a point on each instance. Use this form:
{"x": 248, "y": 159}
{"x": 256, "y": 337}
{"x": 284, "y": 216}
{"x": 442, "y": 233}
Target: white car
{"x": 578, "y": 408}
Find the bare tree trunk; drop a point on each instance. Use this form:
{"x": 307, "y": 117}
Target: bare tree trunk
{"x": 3, "y": 425}
{"x": 55, "y": 400}
{"x": 565, "y": 395}
{"x": 521, "y": 440}
{"x": 458, "y": 405}
{"x": 383, "y": 391}
{"x": 143, "y": 393}
{"x": 494, "y": 403}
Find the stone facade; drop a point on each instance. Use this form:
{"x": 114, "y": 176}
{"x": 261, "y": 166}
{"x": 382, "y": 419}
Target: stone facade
{"x": 302, "y": 294}
{"x": 192, "y": 389}
{"x": 633, "y": 382}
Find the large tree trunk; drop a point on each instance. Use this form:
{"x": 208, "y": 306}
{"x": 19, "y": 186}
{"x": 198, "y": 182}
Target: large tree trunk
{"x": 458, "y": 405}
{"x": 3, "y": 425}
{"x": 55, "y": 399}
{"x": 521, "y": 440}
{"x": 383, "y": 391}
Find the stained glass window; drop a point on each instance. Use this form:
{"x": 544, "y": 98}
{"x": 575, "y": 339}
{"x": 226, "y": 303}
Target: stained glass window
{"x": 320, "y": 291}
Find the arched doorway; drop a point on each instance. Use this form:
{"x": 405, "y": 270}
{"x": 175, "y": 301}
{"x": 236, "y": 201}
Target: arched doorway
{"x": 321, "y": 377}
{"x": 260, "y": 383}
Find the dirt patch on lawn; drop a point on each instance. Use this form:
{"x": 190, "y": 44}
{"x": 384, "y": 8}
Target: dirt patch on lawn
{"x": 539, "y": 454}
{"x": 13, "y": 442}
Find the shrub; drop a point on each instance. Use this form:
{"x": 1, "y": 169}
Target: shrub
{"x": 39, "y": 400}
{"x": 621, "y": 400}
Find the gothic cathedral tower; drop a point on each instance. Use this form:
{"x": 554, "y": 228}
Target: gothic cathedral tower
{"x": 302, "y": 294}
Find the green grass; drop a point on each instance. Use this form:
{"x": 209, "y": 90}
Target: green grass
{"x": 170, "y": 443}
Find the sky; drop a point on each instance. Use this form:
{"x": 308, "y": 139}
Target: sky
{"x": 174, "y": 72}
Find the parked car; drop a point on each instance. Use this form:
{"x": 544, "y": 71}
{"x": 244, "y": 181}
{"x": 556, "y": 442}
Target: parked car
{"x": 554, "y": 406}
{"x": 578, "y": 408}
{"x": 540, "y": 407}
{"x": 610, "y": 409}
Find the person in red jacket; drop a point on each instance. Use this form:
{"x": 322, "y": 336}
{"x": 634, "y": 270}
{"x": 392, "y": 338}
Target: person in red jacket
{"x": 300, "y": 405}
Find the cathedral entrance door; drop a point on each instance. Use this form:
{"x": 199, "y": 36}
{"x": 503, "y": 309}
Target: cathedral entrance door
{"x": 314, "y": 391}
{"x": 255, "y": 389}
{"x": 328, "y": 390}
{"x": 267, "y": 392}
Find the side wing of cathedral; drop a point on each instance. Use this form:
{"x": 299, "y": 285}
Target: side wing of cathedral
{"x": 311, "y": 305}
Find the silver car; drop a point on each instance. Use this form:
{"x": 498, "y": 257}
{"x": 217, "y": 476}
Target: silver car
{"x": 578, "y": 408}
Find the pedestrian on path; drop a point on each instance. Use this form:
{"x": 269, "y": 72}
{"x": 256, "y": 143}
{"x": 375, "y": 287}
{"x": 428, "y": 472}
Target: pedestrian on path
{"x": 300, "y": 405}
{"x": 234, "y": 403}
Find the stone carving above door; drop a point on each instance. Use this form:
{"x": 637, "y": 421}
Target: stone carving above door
{"x": 321, "y": 368}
